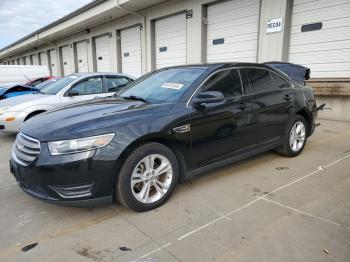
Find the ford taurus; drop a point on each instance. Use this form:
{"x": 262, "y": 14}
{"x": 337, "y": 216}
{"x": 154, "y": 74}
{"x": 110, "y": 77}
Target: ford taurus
{"x": 168, "y": 125}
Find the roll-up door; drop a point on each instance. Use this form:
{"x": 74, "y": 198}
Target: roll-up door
{"x": 103, "y": 54}
{"x": 66, "y": 60}
{"x": 43, "y": 59}
{"x": 82, "y": 56}
{"x": 232, "y": 31}
{"x": 320, "y": 37}
{"x": 53, "y": 62}
{"x": 170, "y": 41}
{"x": 35, "y": 59}
{"x": 130, "y": 45}
{"x": 26, "y": 60}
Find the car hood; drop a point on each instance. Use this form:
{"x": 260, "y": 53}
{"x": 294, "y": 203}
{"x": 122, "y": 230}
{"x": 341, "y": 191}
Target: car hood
{"x": 94, "y": 117}
{"x": 20, "y": 102}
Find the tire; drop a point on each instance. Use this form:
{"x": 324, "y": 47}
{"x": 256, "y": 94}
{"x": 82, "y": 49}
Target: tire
{"x": 288, "y": 148}
{"x": 141, "y": 188}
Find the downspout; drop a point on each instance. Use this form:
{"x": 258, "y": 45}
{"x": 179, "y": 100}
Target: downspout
{"x": 144, "y": 64}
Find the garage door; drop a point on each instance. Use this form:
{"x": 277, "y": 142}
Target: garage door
{"x": 53, "y": 62}
{"x": 82, "y": 56}
{"x": 232, "y": 31}
{"x": 103, "y": 54}
{"x": 66, "y": 60}
{"x": 35, "y": 59}
{"x": 43, "y": 59}
{"x": 26, "y": 60}
{"x": 320, "y": 37}
{"x": 170, "y": 41}
{"x": 131, "y": 51}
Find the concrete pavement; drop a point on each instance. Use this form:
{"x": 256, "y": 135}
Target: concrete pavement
{"x": 267, "y": 208}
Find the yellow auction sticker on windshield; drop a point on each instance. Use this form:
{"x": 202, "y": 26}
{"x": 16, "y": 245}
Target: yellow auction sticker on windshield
{"x": 175, "y": 86}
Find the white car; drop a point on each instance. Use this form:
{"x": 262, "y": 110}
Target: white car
{"x": 71, "y": 89}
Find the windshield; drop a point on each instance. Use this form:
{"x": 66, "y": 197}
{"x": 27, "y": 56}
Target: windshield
{"x": 57, "y": 86}
{"x": 46, "y": 83}
{"x": 165, "y": 86}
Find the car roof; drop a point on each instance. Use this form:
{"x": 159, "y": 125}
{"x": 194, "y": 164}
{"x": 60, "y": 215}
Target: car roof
{"x": 101, "y": 73}
{"x": 221, "y": 65}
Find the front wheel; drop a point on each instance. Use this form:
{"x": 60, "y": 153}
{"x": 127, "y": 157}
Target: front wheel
{"x": 294, "y": 138}
{"x": 147, "y": 177}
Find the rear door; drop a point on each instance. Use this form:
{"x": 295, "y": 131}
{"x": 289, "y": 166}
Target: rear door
{"x": 221, "y": 130}
{"x": 272, "y": 104}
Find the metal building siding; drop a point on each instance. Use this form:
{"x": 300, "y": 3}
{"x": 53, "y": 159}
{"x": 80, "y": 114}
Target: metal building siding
{"x": 53, "y": 61}
{"x": 130, "y": 46}
{"x": 103, "y": 54}
{"x": 66, "y": 60}
{"x": 232, "y": 31}
{"x": 82, "y": 56}
{"x": 325, "y": 51}
{"x": 43, "y": 59}
{"x": 170, "y": 41}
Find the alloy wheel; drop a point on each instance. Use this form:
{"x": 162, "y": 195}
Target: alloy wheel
{"x": 297, "y": 136}
{"x": 151, "y": 178}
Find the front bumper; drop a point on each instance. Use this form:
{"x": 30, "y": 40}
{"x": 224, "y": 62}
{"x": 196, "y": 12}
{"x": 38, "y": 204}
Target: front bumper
{"x": 81, "y": 180}
{"x": 11, "y": 126}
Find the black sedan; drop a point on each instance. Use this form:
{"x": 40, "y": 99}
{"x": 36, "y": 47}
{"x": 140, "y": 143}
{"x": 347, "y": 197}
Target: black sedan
{"x": 167, "y": 126}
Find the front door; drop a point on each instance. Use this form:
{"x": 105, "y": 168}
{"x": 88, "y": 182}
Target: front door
{"x": 221, "y": 130}
{"x": 84, "y": 90}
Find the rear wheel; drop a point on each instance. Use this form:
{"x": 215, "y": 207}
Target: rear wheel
{"x": 294, "y": 138}
{"x": 148, "y": 177}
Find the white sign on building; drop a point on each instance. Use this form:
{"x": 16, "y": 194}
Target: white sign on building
{"x": 274, "y": 25}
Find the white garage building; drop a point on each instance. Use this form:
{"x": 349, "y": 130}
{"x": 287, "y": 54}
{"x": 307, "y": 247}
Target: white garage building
{"x": 137, "y": 36}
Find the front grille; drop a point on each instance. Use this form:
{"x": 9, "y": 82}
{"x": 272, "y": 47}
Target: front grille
{"x": 25, "y": 150}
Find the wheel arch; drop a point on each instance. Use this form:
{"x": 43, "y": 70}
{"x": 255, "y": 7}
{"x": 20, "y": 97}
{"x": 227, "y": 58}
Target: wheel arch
{"x": 173, "y": 145}
{"x": 308, "y": 118}
{"x": 35, "y": 112}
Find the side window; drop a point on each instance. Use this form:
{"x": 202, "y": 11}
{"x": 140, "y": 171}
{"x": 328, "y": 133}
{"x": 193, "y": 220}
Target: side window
{"x": 278, "y": 81}
{"x": 114, "y": 84}
{"x": 227, "y": 81}
{"x": 92, "y": 85}
{"x": 259, "y": 79}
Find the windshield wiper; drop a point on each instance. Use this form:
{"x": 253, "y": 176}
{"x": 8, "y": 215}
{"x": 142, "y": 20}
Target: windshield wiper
{"x": 137, "y": 98}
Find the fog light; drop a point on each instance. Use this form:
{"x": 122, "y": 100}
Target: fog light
{"x": 73, "y": 191}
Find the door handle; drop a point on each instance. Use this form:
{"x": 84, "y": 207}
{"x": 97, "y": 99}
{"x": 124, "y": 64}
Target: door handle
{"x": 242, "y": 106}
{"x": 287, "y": 97}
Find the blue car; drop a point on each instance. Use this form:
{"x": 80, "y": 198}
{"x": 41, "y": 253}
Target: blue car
{"x": 18, "y": 90}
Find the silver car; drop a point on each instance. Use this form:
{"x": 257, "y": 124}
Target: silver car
{"x": 71, "y": 89}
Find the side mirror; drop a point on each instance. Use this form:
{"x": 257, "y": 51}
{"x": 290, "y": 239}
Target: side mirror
{"x": 72, "y": 93}
{"x": 208, "y": 97}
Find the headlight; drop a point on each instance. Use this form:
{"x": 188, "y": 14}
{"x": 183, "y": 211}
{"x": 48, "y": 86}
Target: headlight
{"x": 3, "y": 110}
{"x": 79, "y": 145}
